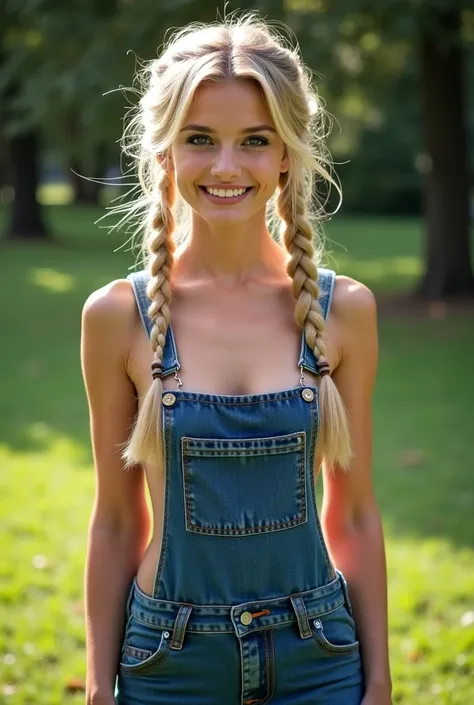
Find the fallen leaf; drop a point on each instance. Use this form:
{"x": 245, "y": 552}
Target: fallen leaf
{"x": 414, "y": 656}
{"x": 75, "y": 685}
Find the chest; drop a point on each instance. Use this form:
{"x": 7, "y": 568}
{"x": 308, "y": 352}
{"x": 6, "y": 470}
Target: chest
{"x": 232, "y": 346}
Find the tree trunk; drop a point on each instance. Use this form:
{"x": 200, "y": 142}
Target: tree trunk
{"x": 446, "y": 184}
{"x": 26, "y": 221}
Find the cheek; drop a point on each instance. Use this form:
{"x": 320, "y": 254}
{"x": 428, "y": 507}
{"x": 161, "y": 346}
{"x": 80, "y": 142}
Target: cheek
{"x": 266, "y": 169}
{"x": 188, "y": 167}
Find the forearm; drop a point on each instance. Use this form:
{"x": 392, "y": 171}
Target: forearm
{"x": 112, "y": 561}
{"x": 359, "y": 554}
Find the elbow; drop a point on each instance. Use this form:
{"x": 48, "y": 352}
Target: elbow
{"x": 355, "y": 520}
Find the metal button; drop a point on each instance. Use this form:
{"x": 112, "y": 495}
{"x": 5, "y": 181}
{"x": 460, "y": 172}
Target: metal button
{"x": 246, "y": 618}
{"x": 166, "y": 635}
{"x": 307, "y": 394}
{"x": 169, "y": 399}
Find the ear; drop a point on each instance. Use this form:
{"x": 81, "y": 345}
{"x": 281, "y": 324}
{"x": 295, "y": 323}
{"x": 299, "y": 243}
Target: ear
{"x": 284, "y": 164}
{"x": 165, "y": 160}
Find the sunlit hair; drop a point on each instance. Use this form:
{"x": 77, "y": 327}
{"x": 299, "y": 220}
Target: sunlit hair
{"x": 239, "y": 47}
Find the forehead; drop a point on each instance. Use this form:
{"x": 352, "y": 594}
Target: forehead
{"x": 237, "y": 103}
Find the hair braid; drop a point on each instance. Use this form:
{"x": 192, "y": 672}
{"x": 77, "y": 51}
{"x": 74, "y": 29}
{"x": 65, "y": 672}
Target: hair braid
{"x": 145, "y": 444}
{"x": 334, "y": 436}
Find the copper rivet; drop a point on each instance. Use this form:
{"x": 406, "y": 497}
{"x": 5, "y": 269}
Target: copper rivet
{"x": 169, "y": 399}
{"x": 307, "y": 394}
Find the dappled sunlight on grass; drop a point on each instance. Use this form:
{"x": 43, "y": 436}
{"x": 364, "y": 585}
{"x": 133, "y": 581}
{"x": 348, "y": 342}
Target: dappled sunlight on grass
{"x": 56, "y": 444}
{"x": 52, "y": 280}
{"x": 47, "y": 503}
{"x": 382, "y": 272}
{"x": 431, "y": 610}
{"x": 60, "y": 193}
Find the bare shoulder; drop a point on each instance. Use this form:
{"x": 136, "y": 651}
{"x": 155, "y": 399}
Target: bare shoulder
{"x": 352, "y": 298}
{"x": 354, "y": 312}
{"x": 111, "y": 303}
{"x": 353, "y": 308}
{"x": 111, "y": 313}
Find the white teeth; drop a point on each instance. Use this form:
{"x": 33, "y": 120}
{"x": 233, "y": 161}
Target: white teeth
{"x": 226, "y": 193}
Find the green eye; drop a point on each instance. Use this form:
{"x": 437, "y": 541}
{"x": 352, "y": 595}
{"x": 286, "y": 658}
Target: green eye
{"x": 193, "y": 139}
{"x": 260, "y": 141}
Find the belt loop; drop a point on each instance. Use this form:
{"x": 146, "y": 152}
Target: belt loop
{"x": 179, "y": 628}
{"x": 345, "y": 591}
{"x": 301, "y": 616}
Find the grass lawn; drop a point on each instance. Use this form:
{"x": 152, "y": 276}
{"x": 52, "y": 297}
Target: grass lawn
{"x": 423, "y": 424}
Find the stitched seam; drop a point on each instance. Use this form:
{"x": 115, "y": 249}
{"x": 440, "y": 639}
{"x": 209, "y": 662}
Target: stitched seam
{"x": 315, "y": 414}
{"x": 299, "y": 518}
{"x": 209, "y": 398}
{"x": 288, "y": 441}
{"x": 264, "y": 699}
{"x": 164, "y": 539}
{"x": 334, "y": 649}
{"x": 155, "y": 659}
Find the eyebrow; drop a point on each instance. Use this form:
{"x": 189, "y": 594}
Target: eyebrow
{"x": 246, "y": 131}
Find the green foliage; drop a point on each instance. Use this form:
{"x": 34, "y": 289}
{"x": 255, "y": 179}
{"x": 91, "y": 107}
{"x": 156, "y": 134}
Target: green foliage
{"x": 68, "y": 68}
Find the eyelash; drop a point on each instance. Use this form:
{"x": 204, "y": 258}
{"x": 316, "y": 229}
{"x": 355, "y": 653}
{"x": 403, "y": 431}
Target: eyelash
{"x": 263, "y": 140}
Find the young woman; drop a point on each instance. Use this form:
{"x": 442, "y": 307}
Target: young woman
{"x": 228, "y": 372}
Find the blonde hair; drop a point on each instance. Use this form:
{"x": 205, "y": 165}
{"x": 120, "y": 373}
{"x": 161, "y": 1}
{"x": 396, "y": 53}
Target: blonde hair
{"x": 239, "y": 47}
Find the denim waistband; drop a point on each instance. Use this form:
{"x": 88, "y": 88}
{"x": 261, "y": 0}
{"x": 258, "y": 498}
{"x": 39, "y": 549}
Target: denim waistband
{"x": 242, "y": 618}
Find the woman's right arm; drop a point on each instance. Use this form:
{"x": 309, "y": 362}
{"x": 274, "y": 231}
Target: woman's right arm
{"x": 119, "y": 523}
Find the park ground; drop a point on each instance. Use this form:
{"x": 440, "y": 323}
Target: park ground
{"x": 423, "y": 466}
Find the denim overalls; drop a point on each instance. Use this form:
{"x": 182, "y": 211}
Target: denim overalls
{"x": 247, "y": 607}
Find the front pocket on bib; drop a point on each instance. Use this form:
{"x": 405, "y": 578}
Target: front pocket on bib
{"x": 236, "y": 487}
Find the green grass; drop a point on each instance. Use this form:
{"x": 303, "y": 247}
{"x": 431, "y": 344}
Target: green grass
{"x": 422, "y": 462}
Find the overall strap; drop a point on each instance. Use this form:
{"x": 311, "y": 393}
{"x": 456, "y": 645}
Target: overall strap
{"x": 326, "y": 281}
{"x": 170, "y": 355}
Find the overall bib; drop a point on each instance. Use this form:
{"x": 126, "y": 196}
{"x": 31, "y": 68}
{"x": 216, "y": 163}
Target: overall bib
{"x": 247, "y": 607}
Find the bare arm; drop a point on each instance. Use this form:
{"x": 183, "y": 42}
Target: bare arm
{"x": 350, "y": 515}
{"x": 119, "y": 523}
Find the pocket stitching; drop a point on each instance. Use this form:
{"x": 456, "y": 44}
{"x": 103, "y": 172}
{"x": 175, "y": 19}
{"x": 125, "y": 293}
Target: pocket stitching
{"x": 300, "y": 518}
{"x": 333, "y": 649}
{"x": 154, "y": 660}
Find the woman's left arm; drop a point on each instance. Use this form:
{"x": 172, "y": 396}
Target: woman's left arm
{"x": 350, "y": 515}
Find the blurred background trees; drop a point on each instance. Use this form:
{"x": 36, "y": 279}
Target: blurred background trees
{"x": 394, "y": 73}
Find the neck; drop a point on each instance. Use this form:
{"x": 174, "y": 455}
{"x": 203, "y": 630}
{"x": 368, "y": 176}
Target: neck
{"x": 230, "y": 253}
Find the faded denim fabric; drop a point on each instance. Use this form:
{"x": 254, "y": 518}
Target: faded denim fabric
{"x": 247, "y": 607}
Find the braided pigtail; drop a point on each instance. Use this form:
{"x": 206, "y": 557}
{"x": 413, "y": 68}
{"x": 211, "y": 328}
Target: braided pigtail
{"x": 146, "y": 443}
{"x": 334, "y": 436}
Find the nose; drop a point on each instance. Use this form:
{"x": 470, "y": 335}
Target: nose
{"x": 226, "y": 166}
